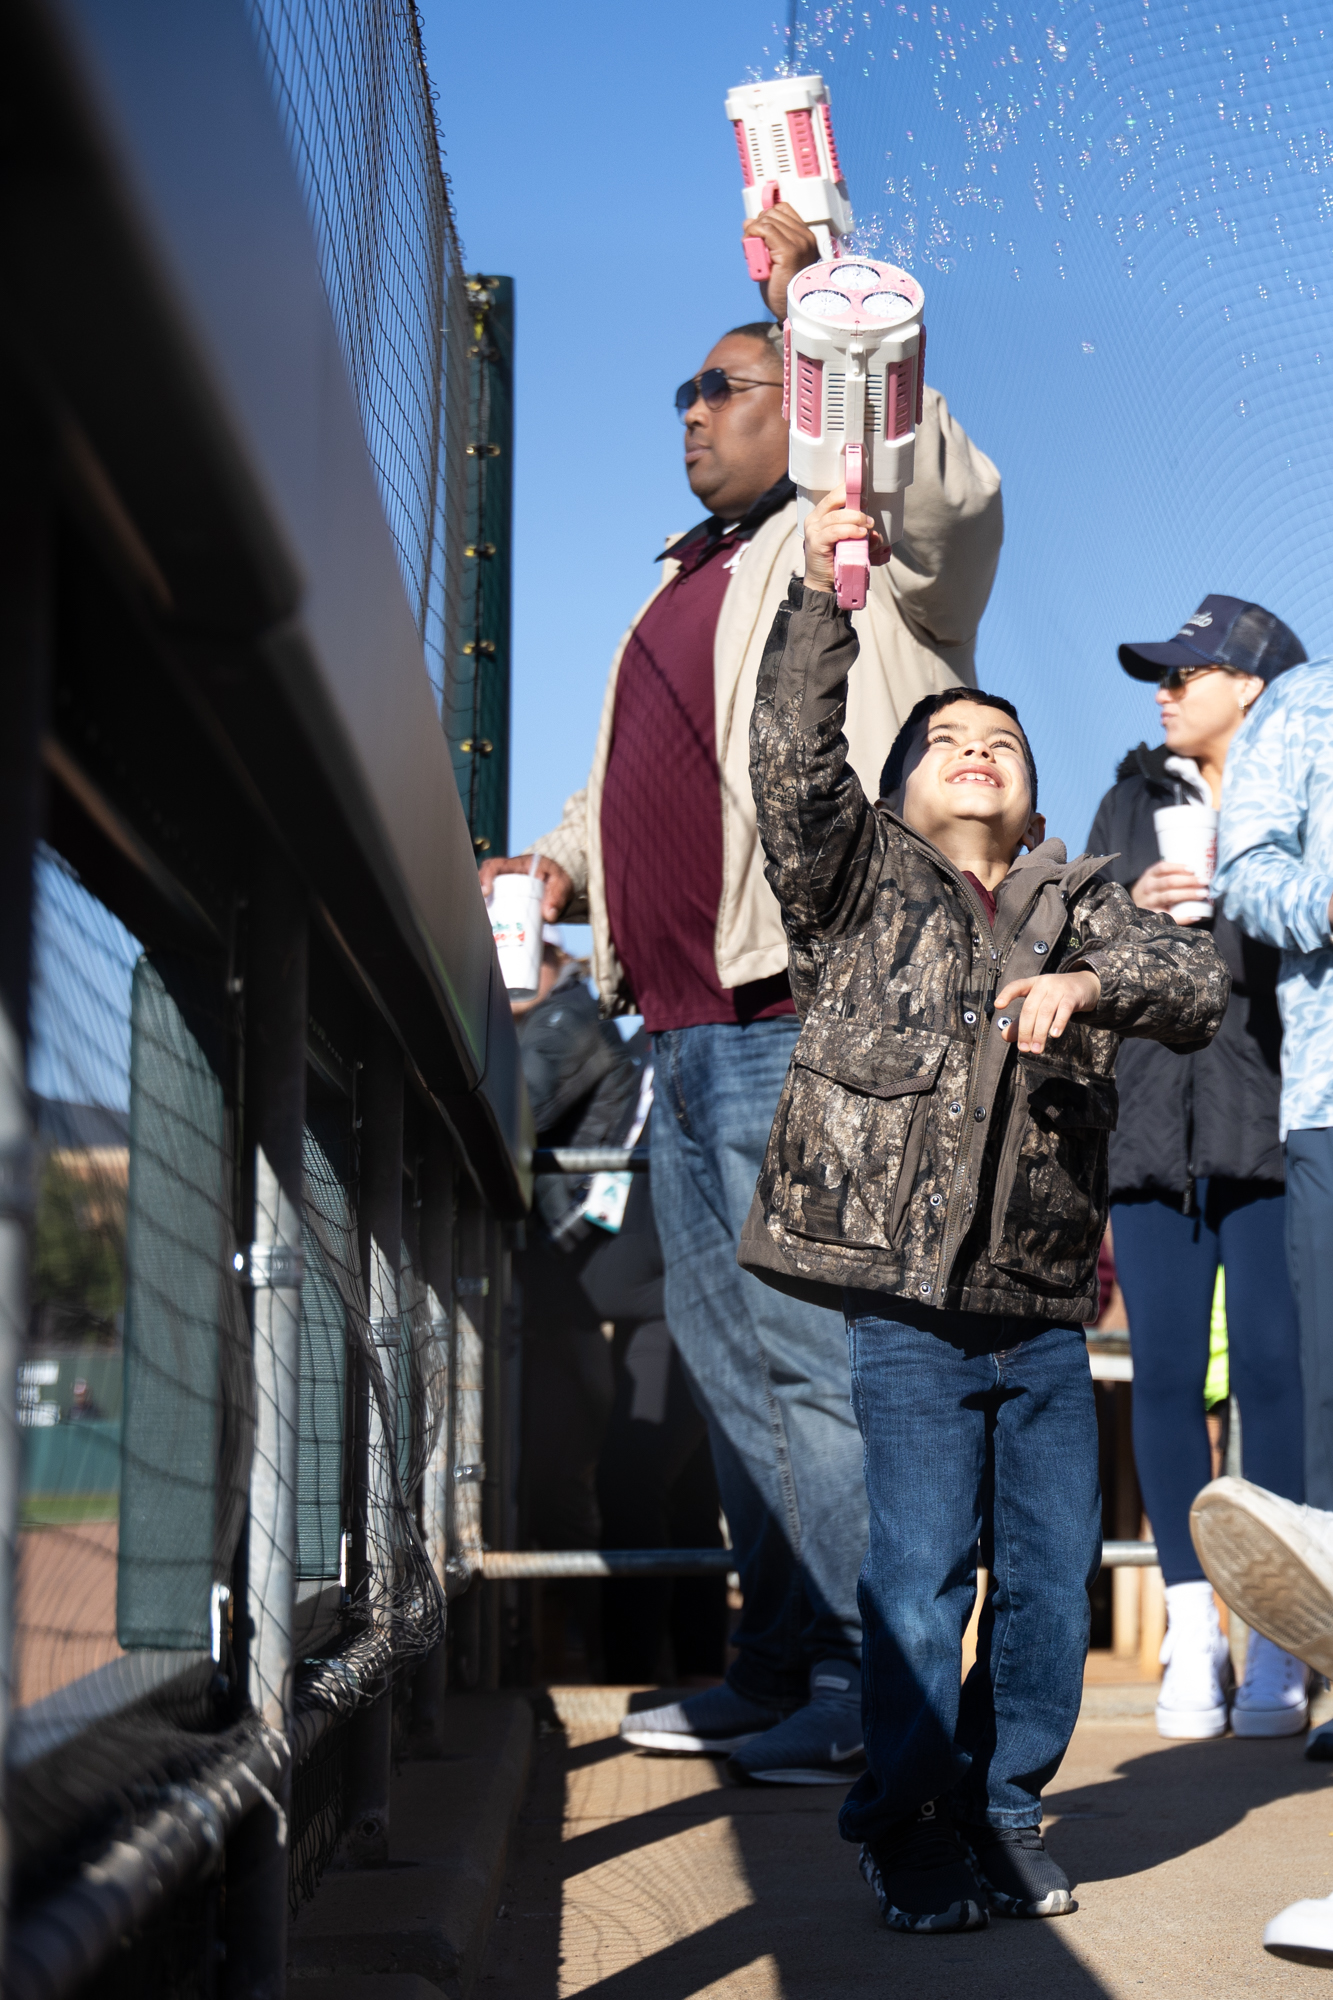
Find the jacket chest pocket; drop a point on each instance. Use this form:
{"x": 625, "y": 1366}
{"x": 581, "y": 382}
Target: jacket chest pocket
{"x": 852, "y": 1132}
{"x": 1051, "y": 1179}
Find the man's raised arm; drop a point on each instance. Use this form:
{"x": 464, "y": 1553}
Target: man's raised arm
{"x": 953, "y": 525}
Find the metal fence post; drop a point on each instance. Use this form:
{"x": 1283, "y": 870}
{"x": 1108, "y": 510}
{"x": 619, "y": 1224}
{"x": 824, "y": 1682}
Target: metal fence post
{"x": 469, "y": 1471}
{"x": 370, "y": 1737}
{"x": 275, "y": 1071}
{"x": 25, "y": 611}
{"x": 437, "y": 1263}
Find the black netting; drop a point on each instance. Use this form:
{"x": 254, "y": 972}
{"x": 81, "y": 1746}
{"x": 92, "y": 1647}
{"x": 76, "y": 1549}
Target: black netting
{"x": 359, "y": 116}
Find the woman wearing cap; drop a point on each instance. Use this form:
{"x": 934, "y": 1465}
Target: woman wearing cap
{"x": 1197, "y": 1178}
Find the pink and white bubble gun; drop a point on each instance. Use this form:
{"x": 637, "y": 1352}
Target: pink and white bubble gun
{"x": 854, "y": 351}
{"x": 784, "y": 135}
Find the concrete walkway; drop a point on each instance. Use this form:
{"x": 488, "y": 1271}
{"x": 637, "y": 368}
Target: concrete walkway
{"x": 648, "y": 1878}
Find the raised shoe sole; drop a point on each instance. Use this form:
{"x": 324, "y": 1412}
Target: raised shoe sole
{"x": 1266, "y": 1568}
{"x": 1191, "y": 1725}
{"x": 680, "y": 1743}
{"x": 1302, "y": 1934}
{"x": 1270, "y": 1721}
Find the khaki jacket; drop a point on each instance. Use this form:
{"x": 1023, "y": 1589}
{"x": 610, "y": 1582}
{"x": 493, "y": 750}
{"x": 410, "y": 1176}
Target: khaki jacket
{"x": 916, "y": 635}
{"x": 914, "y": 1151}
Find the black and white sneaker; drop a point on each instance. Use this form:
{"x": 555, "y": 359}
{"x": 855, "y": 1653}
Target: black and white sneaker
{"x": 1019, "y": 1877}
{"x": 922, "y": 1877}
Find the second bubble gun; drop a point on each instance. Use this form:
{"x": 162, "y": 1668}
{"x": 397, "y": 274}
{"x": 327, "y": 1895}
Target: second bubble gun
{"x": 854, "y": 351}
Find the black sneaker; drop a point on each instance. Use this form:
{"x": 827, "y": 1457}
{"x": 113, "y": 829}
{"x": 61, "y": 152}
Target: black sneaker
{"x": 921, "y": 1875}
{"x": 1018, "y": 1875}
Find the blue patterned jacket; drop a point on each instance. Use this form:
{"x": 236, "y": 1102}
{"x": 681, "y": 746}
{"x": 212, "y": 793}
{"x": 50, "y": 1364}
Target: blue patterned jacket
{"x": 1275, "y": 870}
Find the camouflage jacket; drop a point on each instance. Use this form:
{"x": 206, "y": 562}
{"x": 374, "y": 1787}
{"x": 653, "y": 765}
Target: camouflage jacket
{"x": 914, "y": 1151}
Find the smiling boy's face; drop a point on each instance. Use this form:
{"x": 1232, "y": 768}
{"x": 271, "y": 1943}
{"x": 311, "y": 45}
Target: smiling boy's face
{"x": 968, "y": 770}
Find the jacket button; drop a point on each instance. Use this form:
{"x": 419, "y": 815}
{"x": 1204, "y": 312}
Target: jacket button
{"x": 979, "y": 1113}
{"x": 926, "y": 1290}
{"x": 955, "y": 1107}
{"x": 1003, "y": 1023}
{"x": 969, "y": 1017}
{"x": 1041, "y": 947}
{"x": 935, "y": 1200}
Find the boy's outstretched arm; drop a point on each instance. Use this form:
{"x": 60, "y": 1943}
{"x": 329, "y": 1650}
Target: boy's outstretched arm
{"x": 1160, "y": 981}
{"x": 817, "y": 827}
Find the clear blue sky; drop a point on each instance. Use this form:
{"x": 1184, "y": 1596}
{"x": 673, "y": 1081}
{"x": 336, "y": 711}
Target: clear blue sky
{"x": 1122, "y": 216}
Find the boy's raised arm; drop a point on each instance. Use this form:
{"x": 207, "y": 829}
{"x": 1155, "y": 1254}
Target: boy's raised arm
{"x": 816, "y": 825}
{"x": 819, "y": 832}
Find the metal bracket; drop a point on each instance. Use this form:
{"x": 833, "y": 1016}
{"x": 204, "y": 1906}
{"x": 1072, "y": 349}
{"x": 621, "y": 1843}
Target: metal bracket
{"x": 274, "y": 1267}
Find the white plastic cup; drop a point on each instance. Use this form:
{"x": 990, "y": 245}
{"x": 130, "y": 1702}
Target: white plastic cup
{"x": 516, "y": 925}
{"x": 1187, "y": 835}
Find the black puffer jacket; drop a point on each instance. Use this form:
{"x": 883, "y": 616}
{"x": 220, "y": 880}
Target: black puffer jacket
{"x": 583, "y": 1081}
{"x": 1214, "y": 1112}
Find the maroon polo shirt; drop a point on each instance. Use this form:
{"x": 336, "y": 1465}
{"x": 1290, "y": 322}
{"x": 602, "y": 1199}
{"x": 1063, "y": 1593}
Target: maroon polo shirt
{"x": 662, "y": 807}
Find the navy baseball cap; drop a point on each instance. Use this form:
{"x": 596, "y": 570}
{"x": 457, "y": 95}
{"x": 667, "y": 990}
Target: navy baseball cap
{"x": 1223, "y": 632}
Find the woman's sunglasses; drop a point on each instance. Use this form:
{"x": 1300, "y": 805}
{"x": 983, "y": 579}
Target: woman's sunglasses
{"x": 1177, "y": 678}
{"x": 716, "y": 387}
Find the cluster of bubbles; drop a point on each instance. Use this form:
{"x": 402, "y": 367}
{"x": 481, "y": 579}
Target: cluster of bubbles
{"x": 1121, "y": 123}
{"x": 1132, "y": 199}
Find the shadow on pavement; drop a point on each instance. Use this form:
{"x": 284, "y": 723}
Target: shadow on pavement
{"x": 1176, "y": 1799}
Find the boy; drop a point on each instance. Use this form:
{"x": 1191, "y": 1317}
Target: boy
{"x": 938, "y": 1166}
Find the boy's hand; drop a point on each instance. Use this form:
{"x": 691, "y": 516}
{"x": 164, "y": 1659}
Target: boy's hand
{"x": 831, "y": 522}
{"x": 1048, "y": 1002}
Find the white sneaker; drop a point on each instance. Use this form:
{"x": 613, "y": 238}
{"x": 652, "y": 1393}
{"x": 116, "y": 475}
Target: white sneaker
{"x": 1272, "y": 1562}
{"x": 1303, "y": 1932}
{"x": 1193, "y": 1698}
{"x": 1274, "y": 1700}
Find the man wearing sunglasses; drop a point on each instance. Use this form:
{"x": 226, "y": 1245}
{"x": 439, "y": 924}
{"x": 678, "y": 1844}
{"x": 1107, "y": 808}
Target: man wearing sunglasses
{"x": 660, "y": 854}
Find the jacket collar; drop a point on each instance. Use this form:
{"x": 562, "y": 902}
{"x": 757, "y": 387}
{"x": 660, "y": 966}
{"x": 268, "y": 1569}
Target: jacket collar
{"x": 779, "y": 494}
{"x": 1031, "y": 871}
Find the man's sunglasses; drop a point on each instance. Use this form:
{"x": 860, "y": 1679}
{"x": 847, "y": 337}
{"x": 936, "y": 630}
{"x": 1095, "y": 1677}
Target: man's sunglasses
{"x": 716, "y": 387}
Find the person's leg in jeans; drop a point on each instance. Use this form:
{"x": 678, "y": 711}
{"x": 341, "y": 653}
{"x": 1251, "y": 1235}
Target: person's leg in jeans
{"x": 1263, "y": 1344}
{"x": 770, "y": 1372}
{"x": 1263, "y": 1337}
{"x": 1167, "y": 1266}
{"x": 1309, "y": 1241}
{"x": 1167, "y": 1261}
{"x": 961, "y": 1443}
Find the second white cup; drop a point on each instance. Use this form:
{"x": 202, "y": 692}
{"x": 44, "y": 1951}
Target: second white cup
{"x": 1187, "y": 835}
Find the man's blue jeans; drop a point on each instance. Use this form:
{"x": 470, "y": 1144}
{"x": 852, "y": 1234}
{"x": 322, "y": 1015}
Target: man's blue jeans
{"x": 980, "y": 1445}
{"x": 769, "y": 1373}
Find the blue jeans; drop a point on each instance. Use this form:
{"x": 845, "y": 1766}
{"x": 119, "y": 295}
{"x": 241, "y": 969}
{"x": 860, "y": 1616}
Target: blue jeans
{"x": 1167, "y": 1266}
{"x": 980, "y": 1445}
{"x": 769, "y": 1373}
{"x": 1310, "y": 1256}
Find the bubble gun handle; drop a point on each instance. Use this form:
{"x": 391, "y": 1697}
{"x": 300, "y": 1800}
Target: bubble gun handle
{"x": 758, "y": 256}
{"x": 851, "y": 559}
